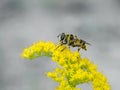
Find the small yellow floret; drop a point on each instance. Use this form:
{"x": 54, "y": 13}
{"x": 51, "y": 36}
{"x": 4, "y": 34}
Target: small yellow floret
{"x": 72, "y": 69}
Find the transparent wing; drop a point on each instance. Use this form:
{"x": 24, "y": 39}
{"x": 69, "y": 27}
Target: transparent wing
{"x": 86, "y": 42}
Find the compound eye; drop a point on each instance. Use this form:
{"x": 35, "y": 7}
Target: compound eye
{"x": 62, "y": 36}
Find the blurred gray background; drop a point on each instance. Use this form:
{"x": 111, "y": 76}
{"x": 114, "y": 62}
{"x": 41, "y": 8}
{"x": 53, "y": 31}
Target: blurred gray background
{"x": 23, "y": 22}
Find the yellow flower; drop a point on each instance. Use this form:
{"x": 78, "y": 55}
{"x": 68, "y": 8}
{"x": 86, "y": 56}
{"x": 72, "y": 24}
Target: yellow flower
{"x": 72, "y": 69}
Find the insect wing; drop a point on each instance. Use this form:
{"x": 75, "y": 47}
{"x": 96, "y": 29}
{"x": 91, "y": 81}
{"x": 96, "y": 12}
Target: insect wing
{"x": 86, "y": 42}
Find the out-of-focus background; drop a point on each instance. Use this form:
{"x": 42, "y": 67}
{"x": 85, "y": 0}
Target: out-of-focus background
{"x": 23, "y": 22}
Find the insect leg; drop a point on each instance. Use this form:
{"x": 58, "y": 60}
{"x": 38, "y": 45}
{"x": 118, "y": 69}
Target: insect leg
{"x": 58, "y": 45}
{"x": 63, "y": 49}
{"x": 79, "y": 49}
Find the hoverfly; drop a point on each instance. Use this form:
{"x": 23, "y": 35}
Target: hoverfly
{"x": 72, "y": 40}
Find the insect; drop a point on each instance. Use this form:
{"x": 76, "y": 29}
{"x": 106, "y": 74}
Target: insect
{"x": 72, "y": 40}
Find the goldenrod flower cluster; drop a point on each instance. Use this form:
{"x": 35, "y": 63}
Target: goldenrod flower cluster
{"x": 72, "y": 69}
